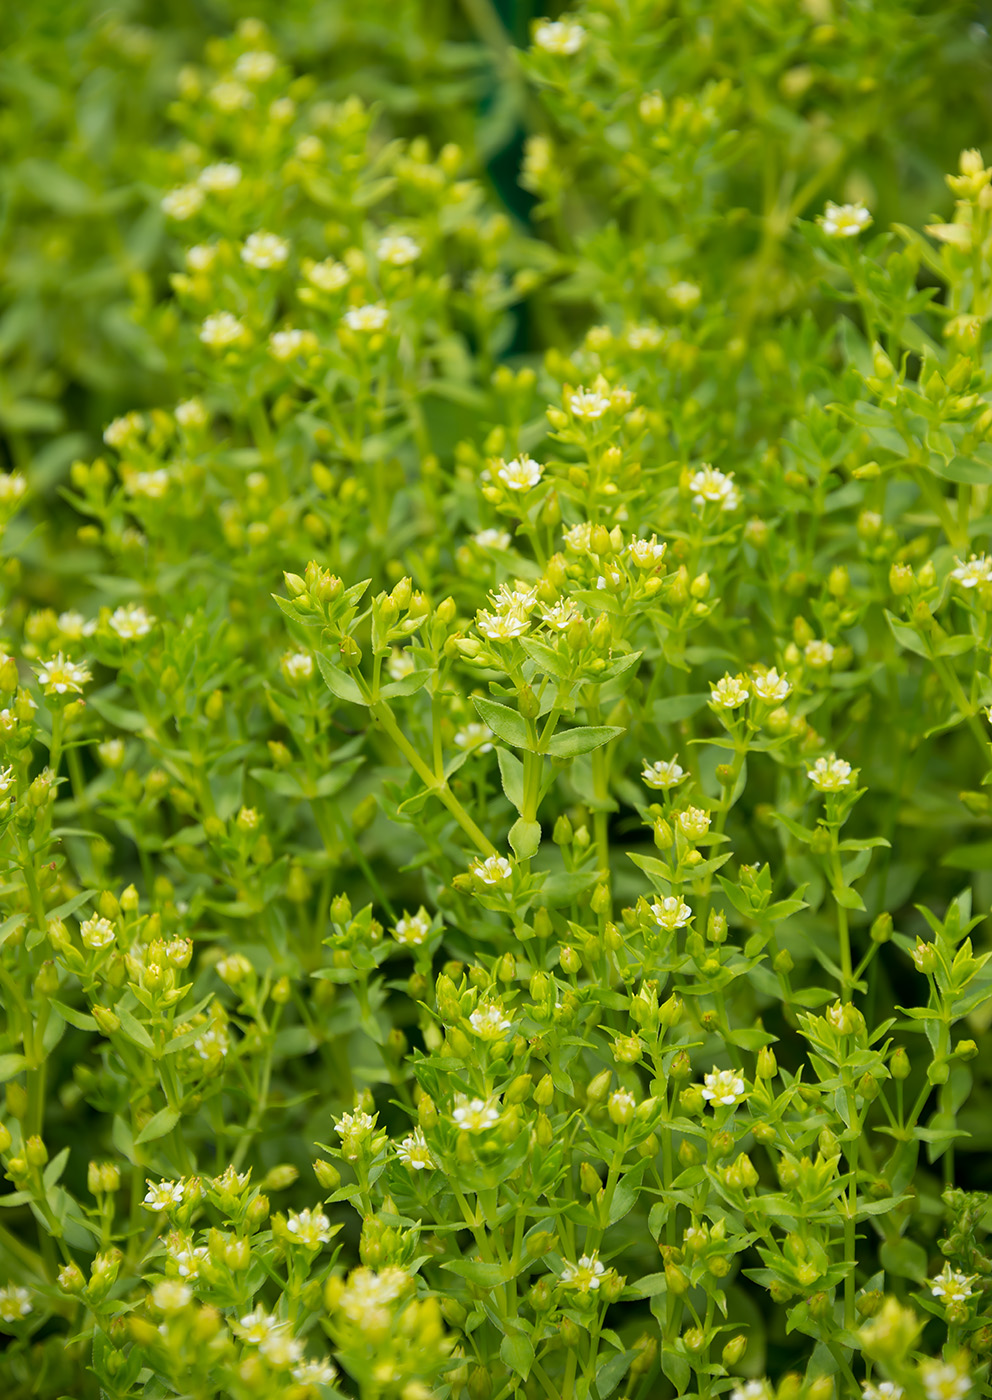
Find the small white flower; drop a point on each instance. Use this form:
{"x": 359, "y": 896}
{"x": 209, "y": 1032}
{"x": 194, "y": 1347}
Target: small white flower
{"x": 289, "y": 344}
{"x": 977, "y": 570}
{"x": 191, "y": 413}
{"x": 213, "y": 1044}
{"x": 297, "y": 667}
{"x": 201, "y": 257}
{"x": 710, "y": 486}
{"x": 264, "y": 250}
{"x": 61, "y": 676}
{"x": 494, "y": 870}
{"x": 729, "y": 692}
{"x": 881, "y": 1390}
{"x": 97, "y": 933}
{"x": 474, "y": 1115}
{"x": 585, "y": 1276}
{"x": 560, "y": 615}
{"x": 280, "y": 1349}
{"x": 502, "y": 626}
{"x": 215, "y": 179}
{"x": 354, "y": 1130}
{"x": 171, "y": 1296}
{"x": 490, "y": 1022}
{"x": 475, "y": 736}
{"x": 559, "y": 36}
{"x": 412, "y": 929}
{"x": 7, "y": 781}
{"x": 644, "y": 337}
{"x": 366, "y": 319}
{"x": 818, "y": 654}
{"x": 951, "y": 1285}
{"x": 400, "y": 664}
{"x": 398, "y": 250}
{"x": 228, "y": 96}
{"x": 122, "y": 431}
{"x": 182, "y": 203}
{"x": 12, "y": 488}
{"x": 646, "y": 553}
{"x": 163, "y": 1195}
{"x": 152, "y": 485}
{"x": 771, "y": 687}
{"x": 587, "y": 405}
{"x": 74, "y": 626}
{"x": 830, "y": 774}
{"x": 414, "y": 1153}
{"x": 942, "y": 1381}
{"x": 320, "y": 1372}
{"x": 662, "y": 774}
{"x": 131, "y": 621}
{"x": 310, "y": 1228}
{"x": 751, "y": 1390}
{"x": 522, "y": 474}
{"x": 256, "y": 66}
{"x": 693, "y": 822}
{"x": 258, "y": 1326}
{"x": 723, "y": 1087}
{"x": 327, "y": 276}
{"x": 684, "y": 295}
{"x": 15, "y": 1303}
{"x": 578, "y": 537}
{"x": 184, "y": 1255}
{"x": 844, "y": 220}
{"x": 221, "y": 329}
{"x": 671, "y": 913}
{"x": 492, "y": 539}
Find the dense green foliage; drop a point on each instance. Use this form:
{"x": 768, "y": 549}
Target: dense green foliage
{"x": 495, "y": 740}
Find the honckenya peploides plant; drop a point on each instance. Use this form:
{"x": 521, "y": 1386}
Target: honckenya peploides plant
{"x": 494, "y": 761}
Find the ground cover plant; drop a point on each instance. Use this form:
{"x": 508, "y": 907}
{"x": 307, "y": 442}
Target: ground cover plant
{"x": 495, "y": 738}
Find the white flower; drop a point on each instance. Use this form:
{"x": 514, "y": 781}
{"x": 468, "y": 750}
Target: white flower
{"x": 662, "y": 774}
{"x": 367, "y": 1296}
{"x": 494, "y": 870}
{"x": 559, "y": 36}
{"x": 644, "y": 337}
{"x": 152, "y": 485}
{"x": 280, "y": 1349}
{"x": 225, "y": 175}
{"x": 320, "y": 1372}
{"x": 977, "y": 570}
{"x": 400, "y": 664}
{"x": 185, "y": 1256}
{"x": 61, "y": 676}
{"x": 228, "y": 96}
{"x": 201, "y": 257}
{"x": 750, "y": 1390}
{"x": 221, "y": 329}
{"x": 502, "y": 626}
{"x": 475, "y": 736}
{"x": 310, "y": 148}
{"x": 287, "y": 345}
{"x": 951, "y": 1285}
{"x": 412, "y": 929}
{"x": 398, "y": 250}
{"x": 818, "y": 654}
{"x": 578, "y": 537}
{"x": 354, "y": 1130}
{"x": 942, "y": 1381}
{"x": 311, "y": 1228}
{"x": 713, "y": 487}
{"x": 258, "y": 1326}
{"x": 693, "y": 822}
{"x": 522, "y": 474}
{"x": 474, "y": 1115}
{"x": 97, "y": 933}
{"x": 184, "y": 202}
{"x": 366, "y": 319}
{"x": 684, "y": 295}
{"x": 729, "y": 692}
{"x": 15, "y": 1303}
{"x": 213, "y": 1044}
{"x": 584, "y": 1276}
{"x": 646, "y": 553}
{"x": 492, "y": 539}
{"x": 74, "y": 626}
{"x": 844, "y": 220}
{"x": 191, "y": 413}
{"x": 6, "y": 781}
{"x": 671, "y": 913}
{"x": 883, "y": 1390}
{"x": 414, "y": 1153}
{"x": 297, "y": 667}
{"x": 723, "y": 1086}
{"x": 560, "y": 615}
{"x": 622, "y": 1106}
{"x": 771, "y": 687}
{"x": 490, "y": 1022}
{"x": 327, "y": 276}
{"x": 122, "y": 431}
{"x": 12, "y": 488}
{"x": 163, "y": 1195}
{"x": 264, "y": 250}
{"x": 830, "y": 774}
{"x": 256, "y": 66}
{"x": 131, "y": 621}
{"x": 587, "y": 405}
{"x": 171, "y": 1296}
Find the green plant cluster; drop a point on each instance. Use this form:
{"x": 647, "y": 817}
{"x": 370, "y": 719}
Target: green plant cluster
{"x": 495, "y": 839}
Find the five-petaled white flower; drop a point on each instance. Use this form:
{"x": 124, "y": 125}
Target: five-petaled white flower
{"x": 492, "y": 538}
{"x": 522, "y": 474}
{"x": 311, "y": 1228}
{"x": 729, "y": 692}
{"x": 163, "y": 1195}
{"x": 182, "y": 203}
{"x": 15, "y": 1303}
{"x": 559, "y": 36}
{"x": 587, "y": 405}
{"x": 818, "y": 654}
{"x": 751, "y": 1390}
{"x": 693, "y": 822}
{"x": 671, "y": 913}
{"x": 221, "y": 330}
{"x": 830, "y": 774}
{"x": 256, "y": 66}
{"x": 12, "y": 488}
{"x": 489, "y": 1021}
{"x": 264, "y": 250}
{"x": 771, "y": 687}
{"x": 412, "y": 929}
{"x": 724, "y": 1087}
{"x": 131, "y": 621}
{"x": 494, "y": 870}
{"x": 414, "y": 1153}
{"x": 474, "y": 1115}
{"x": 978, "y": 569}
{"x": 398, "y": 249}
{"x": 881, "y": 1390}
{"x": 310, "y": 1373}
{"x": 646, "y": 553}
{"x": 60, "y": 676}
{"x": 96, "y": 933}
{"x": 951, "y": 1285}
{"x": 224, "y": 175}
{"x": 943, "y": 1381}
{"x": 288, "y": 344}
{"x": 585, "y": 1276}
{"x": 326, "y": 276}
{"x": 297, "y": 667}
{"x": 502, "y": 626}
{"x": 663, "y": 773}
{"x": 710, "y": 486}
{"x": 844, "y": 220}
{"x": 475, "y": 736}
{"x": 366, "y": 319}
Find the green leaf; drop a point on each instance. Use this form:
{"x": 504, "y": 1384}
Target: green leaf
{"x": 847, "y": 898}
{"x": 408, "y": 685}
{"x": 133, "y": 1029}
{"x": 964, "y": 470}
{"x": 551, "y": 662}
{"x": 157, "y": 1126}
{"x": 569, "y": 743}
{"x": 904, "y": 1258}
{"x": 511, "y": 772}
{"x": 525, "y": 838}
{"x": 10, "y": 1065}
{"x": 517, "y": 1351}
{"x": 676, "y": 707}
{"x": 907, "y": 636}
{"x": 338, "y": 681}
{"x": 648, "y": 1286}
{"x": 505, "y": 723}
{"x": 478, "y": 1272}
